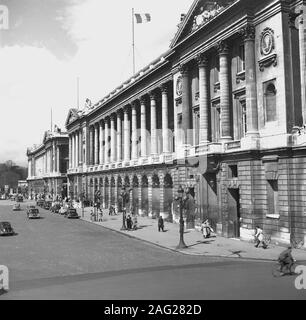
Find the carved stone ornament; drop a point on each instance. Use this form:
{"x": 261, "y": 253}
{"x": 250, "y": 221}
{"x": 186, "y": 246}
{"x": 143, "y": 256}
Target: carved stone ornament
{"x": 202, "y": 60}
{"x": 267, "y": 42}
{"x": 248, "y": 32}
{"x": 222, "y": 47}
{"x": 267, "y": 62}
{"x": 179, "y": 86}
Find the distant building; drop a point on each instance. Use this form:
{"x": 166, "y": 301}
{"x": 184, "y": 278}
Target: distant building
{"x": 47, "y": 165}
{"x": 22, "y": 187}
{"x": 222, "y": 112}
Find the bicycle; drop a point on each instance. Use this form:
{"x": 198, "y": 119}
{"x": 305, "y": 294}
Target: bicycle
{"x": 277, "y": 273}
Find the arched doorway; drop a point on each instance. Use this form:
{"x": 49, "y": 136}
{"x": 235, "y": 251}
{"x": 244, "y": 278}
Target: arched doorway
{"x": 155, "y": 196}
{"x": 113, "y": 192}
{"x": 135, "y": 194}
{"x": 119, "y": 190}
{"x": 90, "y": 193}
{"x": 106, "y": 193}
{"x": 168, "y": 197}
{"x": 144, "y": 196}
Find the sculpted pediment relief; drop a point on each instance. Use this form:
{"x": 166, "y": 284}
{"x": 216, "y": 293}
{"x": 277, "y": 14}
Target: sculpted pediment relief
{"x": 200, "y": 14}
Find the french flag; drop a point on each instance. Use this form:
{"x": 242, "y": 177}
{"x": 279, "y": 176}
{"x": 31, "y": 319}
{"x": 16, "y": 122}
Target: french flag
{"x": 142, "y": 18}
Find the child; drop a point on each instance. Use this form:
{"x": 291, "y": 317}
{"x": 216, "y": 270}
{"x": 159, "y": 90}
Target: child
{"x": 160, "y": 224}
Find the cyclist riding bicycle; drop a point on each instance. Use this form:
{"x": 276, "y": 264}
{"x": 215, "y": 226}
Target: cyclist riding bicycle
{"x": 286, "y": 260}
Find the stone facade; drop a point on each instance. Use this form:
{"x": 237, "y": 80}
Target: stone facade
{"x": 222, "y": 112}
{"x": 47, "y": 166}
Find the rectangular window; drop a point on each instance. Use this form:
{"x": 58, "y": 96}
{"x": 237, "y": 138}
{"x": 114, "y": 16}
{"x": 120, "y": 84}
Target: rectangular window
{"x": 232, "y": 171}
{"x": 241, "y": 59}
{"x": 270, "y": 101}
{"x": 217, "y": 70}
{"x": 196, "y": 126}
{"x": 272, "y": 192}
{"x": 240, "y": 117}
{"x": 216, "y": 122}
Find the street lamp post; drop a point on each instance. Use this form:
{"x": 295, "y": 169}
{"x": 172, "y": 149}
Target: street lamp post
{"x": 124, "y": 194}
{"x": 181, "y": 200}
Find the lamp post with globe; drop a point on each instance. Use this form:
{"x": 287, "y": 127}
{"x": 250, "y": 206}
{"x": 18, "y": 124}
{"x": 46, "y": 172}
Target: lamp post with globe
{"x": 182, "y": 200}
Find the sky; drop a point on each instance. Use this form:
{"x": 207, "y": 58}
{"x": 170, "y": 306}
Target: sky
{"x": 49, "y": 44}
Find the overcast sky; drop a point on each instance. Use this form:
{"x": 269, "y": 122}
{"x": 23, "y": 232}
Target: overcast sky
{"x": 50, "y": 43}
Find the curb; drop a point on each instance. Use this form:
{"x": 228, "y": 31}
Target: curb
{"x": 180, "y": 251}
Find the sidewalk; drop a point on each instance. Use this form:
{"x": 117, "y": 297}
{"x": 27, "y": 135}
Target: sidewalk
{"x": 197, "y": 245}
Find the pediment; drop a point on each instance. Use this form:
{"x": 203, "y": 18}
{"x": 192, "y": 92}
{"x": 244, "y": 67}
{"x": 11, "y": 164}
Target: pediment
{"x": 72, "y": 116}
{"x": 200, "y": 14}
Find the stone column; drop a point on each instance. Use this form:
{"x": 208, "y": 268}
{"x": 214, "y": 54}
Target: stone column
{"x": 134, "y": 131}
{"x": 91, "y": 146}
{"x": 143, "y": 127}
{"x": 58, "y": 159}
{"x": 248, "y": 32}
{"x": 126, "y": 135}
{"x": 77, "y": 143}
{"x": 113, "y": 139}
{"x": 72, "y": 151}
{"x": 204, "y": 98}
{"x": 153, "y": 124}
{"x": 223, "y": 50}
{"x": 101, "y": 144}
{"x": 119, "y": 137}
{"x": 165, "y": 118}
{"x": 97, "y": 129}
{"x": 184, "y": 69}
{"x": 106, "y": 146}
{"x": 80, "y": 147}
{"x": 302, "y": 38}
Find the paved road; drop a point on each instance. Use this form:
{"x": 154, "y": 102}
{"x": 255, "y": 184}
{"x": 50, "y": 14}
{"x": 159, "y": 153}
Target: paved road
{"x": 54, "y": 258}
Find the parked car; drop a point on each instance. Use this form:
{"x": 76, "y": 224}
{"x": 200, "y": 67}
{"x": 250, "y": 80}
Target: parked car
{"x": 6, "y": 229}
{"x": 47, "y": 205}
{"x": 16, "y": 207}
{"x": 40, "y": 203}
{"x": 56, "y": 208}
{"x": 19, "y": 198}
{"x": 33, "y": 214}
{"x": 71, "y": 214}
{"x": 63, "y": 210}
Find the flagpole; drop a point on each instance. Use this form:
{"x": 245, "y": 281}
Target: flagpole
{"x": 78, "y": 93}
{"x": 133, "y": 44}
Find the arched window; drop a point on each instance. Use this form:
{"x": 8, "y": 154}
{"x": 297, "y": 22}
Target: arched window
{"x": 270, "y": 102}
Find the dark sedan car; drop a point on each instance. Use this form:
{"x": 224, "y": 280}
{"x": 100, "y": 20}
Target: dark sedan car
{"x": 72, "y": 214}
{"x": 47, "y": 205}
{"x": 6, "y": 229}
{"x": 40, "y": 203}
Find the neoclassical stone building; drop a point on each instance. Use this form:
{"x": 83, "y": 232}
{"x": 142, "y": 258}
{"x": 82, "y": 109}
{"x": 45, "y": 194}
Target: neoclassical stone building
{"x": 48, "y": 164}
{"x": 222, "y": 111}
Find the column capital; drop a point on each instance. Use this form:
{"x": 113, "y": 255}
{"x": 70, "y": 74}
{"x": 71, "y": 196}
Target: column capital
{"x": 134, "y": 105}
{"x": 112, "y": 116}
{"x": 152, "y": 95}
{"x": 248, "y": 32}
{"x": 126, "y": 108}
{"x": 202, "y": 60}
{"x": 184, "y": 69}
{"x": 164, "y": 88}
{"x": 119, "y": 112}
{"x": 222, "y": 47}
{"x": 143, "y": 100}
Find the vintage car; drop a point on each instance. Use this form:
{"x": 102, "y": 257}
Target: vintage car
{"x": 72, "y": 214}
{"x": 16, "y": 207}
{"x": 33, "y": 214}
{"x": 6, "y": 229}
{"x": 19, "y": 198}
{"x": 40, "y": 203}
{"x": 55, "y": 208}
{"x": 47, "y": 205}
{"x": 63, "y": 211}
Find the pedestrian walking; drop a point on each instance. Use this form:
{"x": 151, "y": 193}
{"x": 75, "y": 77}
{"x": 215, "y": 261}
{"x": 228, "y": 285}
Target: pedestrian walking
{"x": 129, "y": 223}
{"x": 259, "y": 238}
{"x": 206, "y": 229}
{"x": 135, "y": 223}
{"x": 161, "y": 226}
